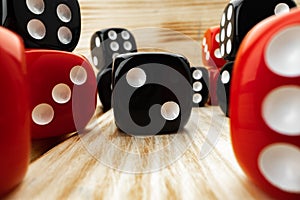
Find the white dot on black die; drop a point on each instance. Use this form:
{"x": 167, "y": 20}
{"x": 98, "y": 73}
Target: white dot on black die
{"x": 197, "y": 98}
{"x": 36, "y": 6}
{"x": 222, "y": 50}
{"x": 125, "y": 35}
{"x": 64, "y": 35}
{"x": 64, "y": 13}
{"x": 229, "y": 12}
{"x": 228, "y": 46}
{"x": 222, "y": 35}
{"x": 127, "y": 46}
{"x": 229, "y": 29}
{"x": 36, "y": 29}
{"x": 223, "y": 20}
{"x": 225, "y": 77}
{"x": 170, "y": 110}
{"x": 114, "y": 46}
{"x": 112, "y": 35}
{"x": 97, "y": 42}
{"x": 197, "y": 74}
{"x": 197, "y": 86}
{"x": 281, "y": 8}
{"x": 95, "y": 60}
{"x": 136, "y": 77}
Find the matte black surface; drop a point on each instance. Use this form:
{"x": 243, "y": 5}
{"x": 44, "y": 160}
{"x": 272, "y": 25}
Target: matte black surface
{"x": 104, "y": 54}
{"x": 159, "y": 88}
{"x": 223, "y": 90}
{"x": 19, "y": 16}
{"x": 204, "y": 80}
{"x": 247, "y": 13}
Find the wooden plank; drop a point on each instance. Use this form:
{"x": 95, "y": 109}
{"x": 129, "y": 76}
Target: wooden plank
{"x": 103, "y": 163}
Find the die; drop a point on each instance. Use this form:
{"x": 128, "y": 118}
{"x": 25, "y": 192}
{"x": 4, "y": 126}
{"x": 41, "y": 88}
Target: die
{"x": 265, "y": 117}
{"x": 105, "y": 46}
{"x": 200, "y": 82}
{"x": 146, "y": 98}
{"x": 104, "y": 80}
{"x": 211, "y": 55}
{"x": 223, "y": 87}
{"x": 44, "y": 24}
{"x": 240, "y": 16}
{"x": 15, "y": 113}
{"x": 108, "y": 43}
{"x": 63, "y": 92}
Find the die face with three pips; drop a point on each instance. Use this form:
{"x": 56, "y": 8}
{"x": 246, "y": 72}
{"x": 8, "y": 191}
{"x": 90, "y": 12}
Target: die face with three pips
{"x": 44, "y": 24}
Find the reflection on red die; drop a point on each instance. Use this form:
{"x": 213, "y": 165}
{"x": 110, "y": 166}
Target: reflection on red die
{"x": 265, "y": 118}
{"x": 214, "y": 74}
{"x": 211, "y": 55}
{"x": 62, "y": 90}
{"x": 15, "y": 114}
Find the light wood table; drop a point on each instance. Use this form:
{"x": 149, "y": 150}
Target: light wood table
{"x": 103, "y": 163}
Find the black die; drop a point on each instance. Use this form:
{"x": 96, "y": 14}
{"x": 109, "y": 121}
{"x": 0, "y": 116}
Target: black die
{"x": 108, "y": 43}
{"x": 240, "y": 16}
{"x": 104, "y": 79}
{"x": 200, "y": 86}
{"x": 152, "y": 93}
{"x": 48, "y": 24}
{"x": 223, "y": 87}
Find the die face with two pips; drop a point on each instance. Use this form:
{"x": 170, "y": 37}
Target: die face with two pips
{"x": 240, "y": 16}
{"x": 44, "y": 24}
{"x": 15, "y": 113}
{"x": 265, "y": 107}
{"x": 63, "y": 92}
{"x": 152, "y": 93}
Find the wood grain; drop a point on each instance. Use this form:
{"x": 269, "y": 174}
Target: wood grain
{"x": 103, "y": 163}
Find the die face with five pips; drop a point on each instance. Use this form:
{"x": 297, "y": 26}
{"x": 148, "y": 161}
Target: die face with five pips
{"x": 44, "y": 24}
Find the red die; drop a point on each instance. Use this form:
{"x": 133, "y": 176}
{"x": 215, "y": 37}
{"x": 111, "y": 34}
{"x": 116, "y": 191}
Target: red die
{"x": 214, "y": 74}
{"x": 265, "y": 111}
{"x": 211, "y": 55}
{"x": 63, "y": 92}
{"x": 15, "y": 113}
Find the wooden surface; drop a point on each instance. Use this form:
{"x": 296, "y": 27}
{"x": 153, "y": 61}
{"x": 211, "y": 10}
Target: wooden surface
{"x": 103, "y": 163}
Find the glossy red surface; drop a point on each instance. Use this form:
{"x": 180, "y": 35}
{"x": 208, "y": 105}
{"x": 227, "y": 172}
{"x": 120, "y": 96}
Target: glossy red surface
{"x": 14, "y": 106}
{"x": 210, "y": 45}
{"x": 47, "y": 69}
{"x": 214, "y": 74}
{"x": 252, "y": 81}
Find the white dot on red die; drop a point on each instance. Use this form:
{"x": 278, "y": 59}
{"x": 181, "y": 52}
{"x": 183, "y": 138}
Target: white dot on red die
{"x": 282, "y": 52}
{"x": 217, "y": 53}
{"x": 61, "y": 93}
{"x": 280, "y": 163}
{"x": 42, "y": 114}
{"x": 78, "y": 75}
{"x": 281, "y": 110}
{"x": 204, "y": 41}
{"x": 170, "y": 110}
{"x": 217, "y": 37}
